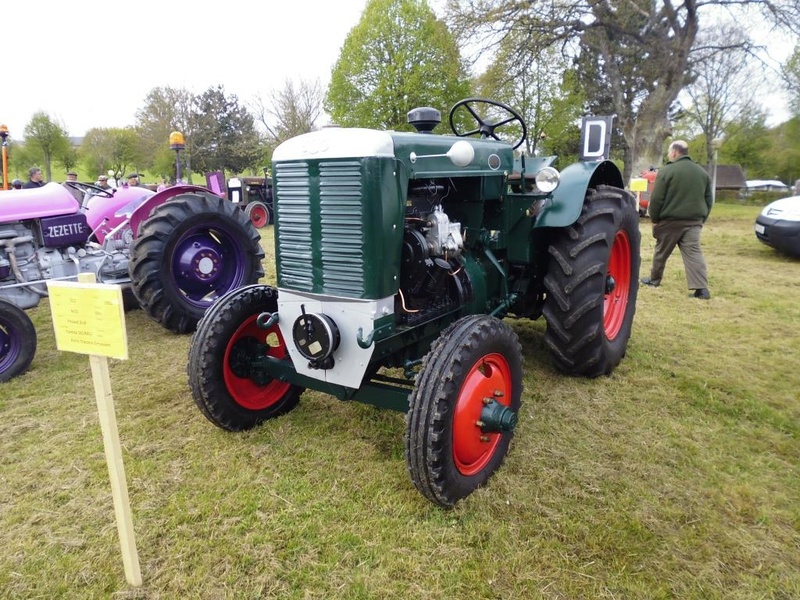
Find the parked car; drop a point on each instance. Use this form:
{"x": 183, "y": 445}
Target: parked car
{"x": 766, "y": 185}
{"x": 778, "y": 225}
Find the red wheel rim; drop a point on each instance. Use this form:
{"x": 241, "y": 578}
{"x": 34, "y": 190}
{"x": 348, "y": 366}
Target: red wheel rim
{"x": 259, "y": 216}
{"x": 490, "y": 377}
{"x": 615, "y": 301}
{"x": 244, "y": 391}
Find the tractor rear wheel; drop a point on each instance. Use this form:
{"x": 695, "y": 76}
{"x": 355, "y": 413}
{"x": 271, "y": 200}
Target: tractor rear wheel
{"x": 592, "y": 283}
{"x": 259, "y": 214}
{"x": 190, "y": 251}
{"x": 17, "y": 341}
{"x": 228, "y": 341}
{"x": 463, "y": 408}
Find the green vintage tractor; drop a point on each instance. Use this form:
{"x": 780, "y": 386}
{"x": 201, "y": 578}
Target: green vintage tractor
{"x": 398, "y": 255}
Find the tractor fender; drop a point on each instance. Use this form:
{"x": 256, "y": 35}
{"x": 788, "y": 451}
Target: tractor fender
{"x": 143, "y": 211}
{"x": 565, "y": 206}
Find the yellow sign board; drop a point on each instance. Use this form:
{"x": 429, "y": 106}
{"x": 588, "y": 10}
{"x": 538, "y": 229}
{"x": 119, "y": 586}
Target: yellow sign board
{"x": 88, "y": 318}
{"x": 638, "y": 184}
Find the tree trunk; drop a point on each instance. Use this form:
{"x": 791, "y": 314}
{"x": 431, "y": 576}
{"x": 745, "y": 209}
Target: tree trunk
{"x": 646, "y": 137}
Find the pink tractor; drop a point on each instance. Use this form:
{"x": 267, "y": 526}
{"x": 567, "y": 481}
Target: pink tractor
{"x": 174, "y": 253}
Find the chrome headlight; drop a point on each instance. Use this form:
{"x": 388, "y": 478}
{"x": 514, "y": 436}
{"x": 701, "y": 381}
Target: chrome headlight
{"x": 547, "y": 179}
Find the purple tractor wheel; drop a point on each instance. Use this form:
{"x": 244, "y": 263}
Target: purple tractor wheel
{"x": 190, "y": 252}
{"x": 17, "y": 341}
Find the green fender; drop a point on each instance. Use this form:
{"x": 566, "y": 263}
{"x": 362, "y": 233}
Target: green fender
{"x": 565, "y": 206}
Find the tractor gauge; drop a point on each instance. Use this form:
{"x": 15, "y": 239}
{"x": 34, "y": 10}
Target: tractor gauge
{"x": 316, "y": 337}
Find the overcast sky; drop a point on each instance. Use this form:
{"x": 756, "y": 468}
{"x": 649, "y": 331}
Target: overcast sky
{"x": 90, "y": 64}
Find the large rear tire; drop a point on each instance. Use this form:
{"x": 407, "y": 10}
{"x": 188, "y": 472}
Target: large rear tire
{"x": 475, "y": 363}
{"x": 226, "y": 342}
{"x": 592, "y": 284}
{"x": 191, "y": 251}
{"x": 17, "y": 341}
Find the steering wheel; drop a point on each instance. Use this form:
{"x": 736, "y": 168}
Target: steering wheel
{"x": 486, "y": 128}
{"x": 83, "y": 188}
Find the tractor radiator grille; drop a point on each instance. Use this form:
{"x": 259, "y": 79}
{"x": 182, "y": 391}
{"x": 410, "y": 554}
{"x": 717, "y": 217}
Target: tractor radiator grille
{"x": 320, "y": 227}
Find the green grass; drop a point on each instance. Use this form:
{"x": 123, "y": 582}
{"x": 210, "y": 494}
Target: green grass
{"x": 676, "y": 477}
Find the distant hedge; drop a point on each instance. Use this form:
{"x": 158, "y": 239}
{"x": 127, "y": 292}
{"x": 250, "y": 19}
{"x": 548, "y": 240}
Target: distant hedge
{"x": 751, "y": 199}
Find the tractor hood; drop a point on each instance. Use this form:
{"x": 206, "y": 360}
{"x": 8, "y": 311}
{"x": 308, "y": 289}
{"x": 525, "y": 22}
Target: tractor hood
{"x": 423, "y": 155}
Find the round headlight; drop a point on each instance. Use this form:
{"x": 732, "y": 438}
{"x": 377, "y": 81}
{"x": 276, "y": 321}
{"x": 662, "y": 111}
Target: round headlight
{"x": 547, "y": 179}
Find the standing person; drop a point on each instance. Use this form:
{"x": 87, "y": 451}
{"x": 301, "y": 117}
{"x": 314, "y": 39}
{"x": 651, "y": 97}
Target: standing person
{"x": 34, "y": 178}
{"x": 72, "y": 176}
{"x": 133, "y": 180}
{"x": 679, "y": 205}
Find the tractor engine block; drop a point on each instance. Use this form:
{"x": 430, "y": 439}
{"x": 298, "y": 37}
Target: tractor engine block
{"x": 432, "y": 280}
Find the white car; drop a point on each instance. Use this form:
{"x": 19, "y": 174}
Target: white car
{"x": 766, "y": 185}
{"x": 778, "y": 225}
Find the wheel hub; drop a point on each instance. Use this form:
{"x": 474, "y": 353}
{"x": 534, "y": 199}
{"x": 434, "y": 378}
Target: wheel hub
{"x": 496, "y": 417}
{"x": 202, "y": 262}
{"x": 205, "y": 265}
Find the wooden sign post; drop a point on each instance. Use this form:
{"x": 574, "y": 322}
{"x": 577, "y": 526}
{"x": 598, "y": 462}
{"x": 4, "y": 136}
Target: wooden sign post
{"x": 89, "y": 319}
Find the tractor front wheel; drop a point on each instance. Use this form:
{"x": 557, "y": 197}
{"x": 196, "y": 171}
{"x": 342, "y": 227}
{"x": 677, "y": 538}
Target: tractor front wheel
{"x": 17, "y": 341}
{"x": 191, "y": 251}
{"x": 224, "y": 353}
{"x": 592, "y": 283}
{"x": 463, "y": 408}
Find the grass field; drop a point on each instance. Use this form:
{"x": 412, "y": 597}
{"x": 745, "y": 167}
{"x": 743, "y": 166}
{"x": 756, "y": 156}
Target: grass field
{"x": 676, "y": 477}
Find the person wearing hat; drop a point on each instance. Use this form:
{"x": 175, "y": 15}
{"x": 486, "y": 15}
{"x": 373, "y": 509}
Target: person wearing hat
{"x": 34, "y": 178}
{"x": 72, "y": 176}
{"x": 16, "y": 184}
{"x": 102, "y": 182}
{"x": 133, "y": 180}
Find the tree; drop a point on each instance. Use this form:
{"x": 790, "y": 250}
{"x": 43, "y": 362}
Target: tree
{"x": 46, "y": 139}
{"x": 221, "y": 134}
{"x": 165, "y": 110}
{"x": 782, "y": 157}
{"x": 641, "y": 50}
{"x": 747, "y": 142}
{"x": 70, "y": 157}
{"x": 115, "y": 149}
{"x": 399, "y": 56}
{"x": 540, "y": 86}
{"x": 289, "y": 112}
{"x": 724, "y": 88}
{"x": 791, "y": 76}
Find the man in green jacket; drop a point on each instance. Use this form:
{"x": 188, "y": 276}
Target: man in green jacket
{"x": 679, "y": 205}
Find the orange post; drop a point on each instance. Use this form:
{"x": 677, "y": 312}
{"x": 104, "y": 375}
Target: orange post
{"x": 4, "y": 135}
